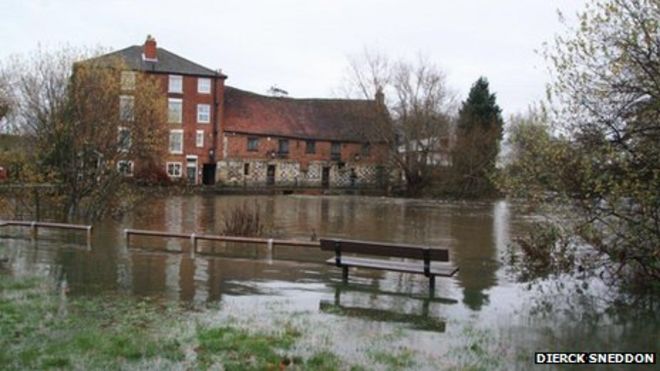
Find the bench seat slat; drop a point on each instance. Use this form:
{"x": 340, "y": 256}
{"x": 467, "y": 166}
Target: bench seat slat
{"x": 385, "y": 249}
{"x": 437, "y": 269}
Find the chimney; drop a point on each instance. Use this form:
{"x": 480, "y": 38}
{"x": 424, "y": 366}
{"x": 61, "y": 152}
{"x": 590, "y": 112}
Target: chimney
{"x": 149, "y": 49}
{"x": 380, "y": 97}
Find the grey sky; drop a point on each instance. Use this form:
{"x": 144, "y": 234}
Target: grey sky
{"x": 302, "y": 46}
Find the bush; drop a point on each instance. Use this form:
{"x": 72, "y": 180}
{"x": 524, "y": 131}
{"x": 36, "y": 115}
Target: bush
{"x": 243, "y": 221}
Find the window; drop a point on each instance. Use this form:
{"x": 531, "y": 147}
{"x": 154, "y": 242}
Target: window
{"x": 174, "y": 169}
{"x": 204, "y": 85}
{"x": 127, "y": 80}
{"x": 126, "y": 107}
{"x": 176, "y": 141}
{"x": 246, "y": 169}
{"x": 310, "y": 146}
{"x": 125, "y": 168}
{"x": 175, "y": 84}
{"x": 366, "y": 148}
{"x": 203, "y": 113}
{"x": 335, "y": 151}
{"x": 252, "y": 144}
{"x": 283, "y": 146}
{"x": 199, "y": 138}
{"x": 174, "y": 111}
{"x": 123, "y": 139}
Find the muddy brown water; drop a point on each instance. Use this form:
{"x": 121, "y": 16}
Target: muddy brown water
{"x": 484, "y": 295}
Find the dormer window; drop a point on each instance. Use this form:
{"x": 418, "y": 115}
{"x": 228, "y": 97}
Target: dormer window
{"x": 175, "y": 84}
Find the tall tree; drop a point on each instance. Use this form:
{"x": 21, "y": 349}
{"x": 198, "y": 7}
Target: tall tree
{"x": 480, "y": 109}
{"x": 420, "y": 106}
{"x": 88, "y": 125}
{"x": 606, "y": 105}
{"x": 479, "y": 132}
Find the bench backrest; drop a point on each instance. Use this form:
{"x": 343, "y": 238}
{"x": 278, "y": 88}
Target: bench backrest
{"x": 385, "y": 249}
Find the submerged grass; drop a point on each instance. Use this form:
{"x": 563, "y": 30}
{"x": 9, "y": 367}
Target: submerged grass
{"x": 42, "y": 328}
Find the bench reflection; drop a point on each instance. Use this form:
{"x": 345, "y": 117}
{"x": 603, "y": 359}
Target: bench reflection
{"x": 418, "y": 321}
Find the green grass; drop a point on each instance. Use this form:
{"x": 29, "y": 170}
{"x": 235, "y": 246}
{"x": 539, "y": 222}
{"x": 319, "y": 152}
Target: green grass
{"x": 394, "y": 360}
{"x": 237, "y": 349}
{"x": 325, "y": 361}
{"x": 40, "y": 328}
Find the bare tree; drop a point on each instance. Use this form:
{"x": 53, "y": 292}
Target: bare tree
{"x": 420, "y": 105}
{"x": 89, "y": 125}
{"x": 5, "y": 99}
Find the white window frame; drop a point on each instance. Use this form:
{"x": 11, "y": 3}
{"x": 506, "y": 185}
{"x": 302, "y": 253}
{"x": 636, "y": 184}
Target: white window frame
{"x": 180, "y": 132}
{"x": 174, "y": 174}
{"x": 175, "y": 84}
{"x": 128, "y": 79}
{"x": 178, "y": 120}
{"x": 199, "y": 138}
{"x": 130, "y": 167}
{"x": 203, "y": 85}
{"x": 121, "y": 148}
{"x": 200, "y": 115}
{"x": 127, "y": 107}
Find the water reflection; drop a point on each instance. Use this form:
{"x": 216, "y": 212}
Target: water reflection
{"x": 472, "y": 232}
{"x": 474, "y": 251}
{"x": 418, "y": 318}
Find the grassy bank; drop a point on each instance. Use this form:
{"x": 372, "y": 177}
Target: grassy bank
{"x": 42, "y": 328}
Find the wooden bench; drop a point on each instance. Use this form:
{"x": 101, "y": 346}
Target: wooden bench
{"x": 425, "y": 256}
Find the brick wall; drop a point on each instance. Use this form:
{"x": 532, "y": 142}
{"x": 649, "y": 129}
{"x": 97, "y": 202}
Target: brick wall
{"x": 207, "y": 154}
{"x": 298, "y": 168}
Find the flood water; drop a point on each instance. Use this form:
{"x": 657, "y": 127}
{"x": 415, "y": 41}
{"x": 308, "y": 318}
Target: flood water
{"x": 483, "y": 303}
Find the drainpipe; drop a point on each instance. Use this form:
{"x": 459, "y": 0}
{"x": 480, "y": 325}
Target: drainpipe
{"x": 216, "y": 117}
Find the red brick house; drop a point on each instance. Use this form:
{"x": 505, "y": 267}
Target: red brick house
{"x": 234, "y": 137}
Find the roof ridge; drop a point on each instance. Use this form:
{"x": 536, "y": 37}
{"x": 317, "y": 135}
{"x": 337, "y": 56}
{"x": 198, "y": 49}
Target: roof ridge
{"x": 300, "y": 99}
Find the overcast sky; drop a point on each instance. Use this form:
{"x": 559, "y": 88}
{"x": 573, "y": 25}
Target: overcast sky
{"x": 302, "y": 46}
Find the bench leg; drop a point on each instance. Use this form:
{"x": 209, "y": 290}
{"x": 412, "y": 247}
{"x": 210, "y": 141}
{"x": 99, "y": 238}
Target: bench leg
{"x": 431, "y": 284}
{"x": 344, "y": 273}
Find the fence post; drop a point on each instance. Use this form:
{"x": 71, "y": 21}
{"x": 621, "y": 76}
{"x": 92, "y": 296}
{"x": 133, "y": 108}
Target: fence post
{"x": 127, "y": 236}
{"x": 270, "y": 251}
{"x": 33, "y": 226}
{"x": 89, "y": 237}
{"x": 193, "y": 247}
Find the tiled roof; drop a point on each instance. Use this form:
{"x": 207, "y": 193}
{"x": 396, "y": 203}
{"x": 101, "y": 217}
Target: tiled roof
{"x": 168, "y": 62}
{"x": 321, "y": 119}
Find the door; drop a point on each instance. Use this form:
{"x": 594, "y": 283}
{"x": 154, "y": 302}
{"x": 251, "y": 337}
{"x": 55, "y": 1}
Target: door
{"x": 191, "y": 169}
{"x": 208, "y": 174}
{"x": 270, "y": 175}
{"x": 325, "y": 177}
{"x": 191, "y": 173}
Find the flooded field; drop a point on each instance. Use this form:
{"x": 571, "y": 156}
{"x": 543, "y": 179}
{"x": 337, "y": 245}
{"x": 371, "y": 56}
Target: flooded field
{"x": 480, "y": 318}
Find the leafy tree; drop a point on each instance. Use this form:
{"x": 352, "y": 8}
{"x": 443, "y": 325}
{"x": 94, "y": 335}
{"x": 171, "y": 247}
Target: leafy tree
{"x": 601, "y": 163}
{"x": 85, "y": 126}
{"x": 479, "y": 133}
